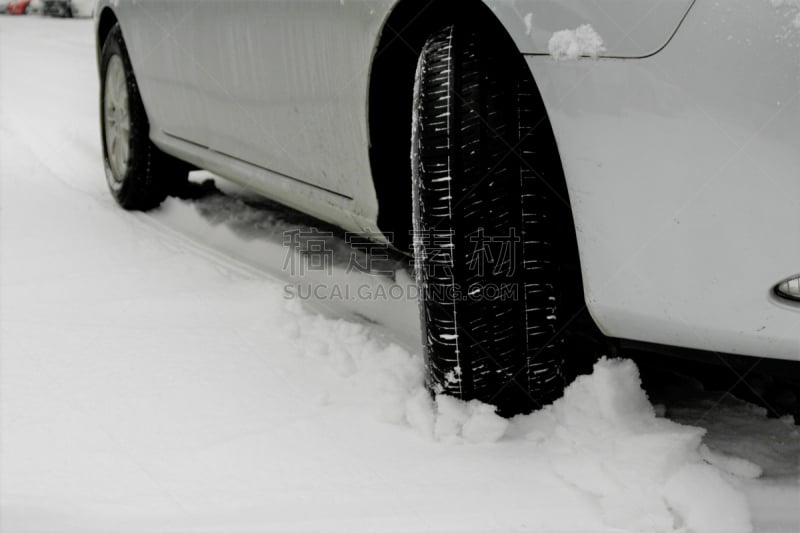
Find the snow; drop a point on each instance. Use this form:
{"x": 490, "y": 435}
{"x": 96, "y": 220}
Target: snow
{"x": 735, "y": 466}
{"x": 528, "y": 21}
{"x": 790, "y": 9}
{"x": 604, "y": 438}
{"x": 704, "y": 501}
{"x": 571, "y": 44}
{"x": 155, "y": 377}
{"x": 785, "y": 3}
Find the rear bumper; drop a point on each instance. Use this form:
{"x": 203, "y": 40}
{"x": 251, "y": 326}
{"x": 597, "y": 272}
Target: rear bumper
{"x": 684, "y": 174}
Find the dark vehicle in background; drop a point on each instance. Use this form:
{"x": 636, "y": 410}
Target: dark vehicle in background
{"x": 57, "y": 8}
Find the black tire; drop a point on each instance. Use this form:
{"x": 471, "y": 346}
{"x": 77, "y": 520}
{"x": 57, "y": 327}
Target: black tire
{"x": 474, "y": 151}
{"x": 148, "y": 175}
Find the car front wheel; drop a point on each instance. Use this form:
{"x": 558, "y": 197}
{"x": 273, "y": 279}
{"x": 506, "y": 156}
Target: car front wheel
{"x": 486, "y": 227}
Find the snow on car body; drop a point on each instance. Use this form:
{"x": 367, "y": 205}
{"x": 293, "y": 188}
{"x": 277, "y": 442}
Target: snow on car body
{"x": 679, "y": 144}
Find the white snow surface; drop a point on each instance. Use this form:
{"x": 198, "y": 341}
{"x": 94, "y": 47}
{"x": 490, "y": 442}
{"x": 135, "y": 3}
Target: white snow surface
{"x": 571, "y": 44}
{"x": 790, "y": 9}
{"x": 152, "y": 381}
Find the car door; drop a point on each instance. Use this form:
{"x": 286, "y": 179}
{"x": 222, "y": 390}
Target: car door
{"x": 284, "y": 83}
{"x": 162, "y": 44}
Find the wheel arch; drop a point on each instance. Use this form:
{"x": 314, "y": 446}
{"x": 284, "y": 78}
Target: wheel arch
{"x": 106, "y": 20}
{"x": 389, "y": 107}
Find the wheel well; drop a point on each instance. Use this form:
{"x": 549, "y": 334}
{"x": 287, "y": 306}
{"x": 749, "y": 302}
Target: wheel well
{"x": 390, "y": 101}
{"x": 107, "y": 20}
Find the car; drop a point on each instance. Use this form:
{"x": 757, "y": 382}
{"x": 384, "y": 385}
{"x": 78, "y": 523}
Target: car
{"x": 68, "y": 8}
{"x": 57, "y": 8}
{"x": 18, "y": 7}
{"x": 568, "y": 175}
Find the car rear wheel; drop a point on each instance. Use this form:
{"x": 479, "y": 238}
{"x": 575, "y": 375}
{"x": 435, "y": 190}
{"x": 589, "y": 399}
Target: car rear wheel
{"x": 139, "y": 175}
{"x": 486, "y": 227}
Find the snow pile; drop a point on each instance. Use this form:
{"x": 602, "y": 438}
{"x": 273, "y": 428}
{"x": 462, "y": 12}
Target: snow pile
{"x": 391, "y": 377}
{"x": 646, "y": 473}
{"x": 572, "y": 44}
{"x": 452, "y": 420}
{"x": 603, "y": 436}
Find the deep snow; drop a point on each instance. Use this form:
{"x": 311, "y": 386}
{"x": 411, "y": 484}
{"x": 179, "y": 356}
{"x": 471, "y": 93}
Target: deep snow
{"x": 153, "y": 376}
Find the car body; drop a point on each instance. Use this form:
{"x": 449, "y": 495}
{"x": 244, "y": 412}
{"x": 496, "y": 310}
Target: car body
{"x": 57, "y": 8}
{"x": 679, "y": 144}
{"x": 18, "y": 7}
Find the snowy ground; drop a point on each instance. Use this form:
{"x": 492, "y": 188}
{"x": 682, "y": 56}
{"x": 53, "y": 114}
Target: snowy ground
{"x": 154, "y": 378}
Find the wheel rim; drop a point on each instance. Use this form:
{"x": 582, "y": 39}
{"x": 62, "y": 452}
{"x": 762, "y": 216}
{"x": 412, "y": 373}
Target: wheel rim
{"x": 116, "y": 118}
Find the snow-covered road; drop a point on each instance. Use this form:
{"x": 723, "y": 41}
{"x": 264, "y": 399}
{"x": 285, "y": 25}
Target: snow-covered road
{"x": 153, "y": 376}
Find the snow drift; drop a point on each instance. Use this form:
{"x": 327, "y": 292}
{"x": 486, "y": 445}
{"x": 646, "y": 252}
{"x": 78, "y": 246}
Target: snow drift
{"x": 603, "y": 436}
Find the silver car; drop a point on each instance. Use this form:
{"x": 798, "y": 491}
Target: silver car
{"x": 622, "y": 171}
